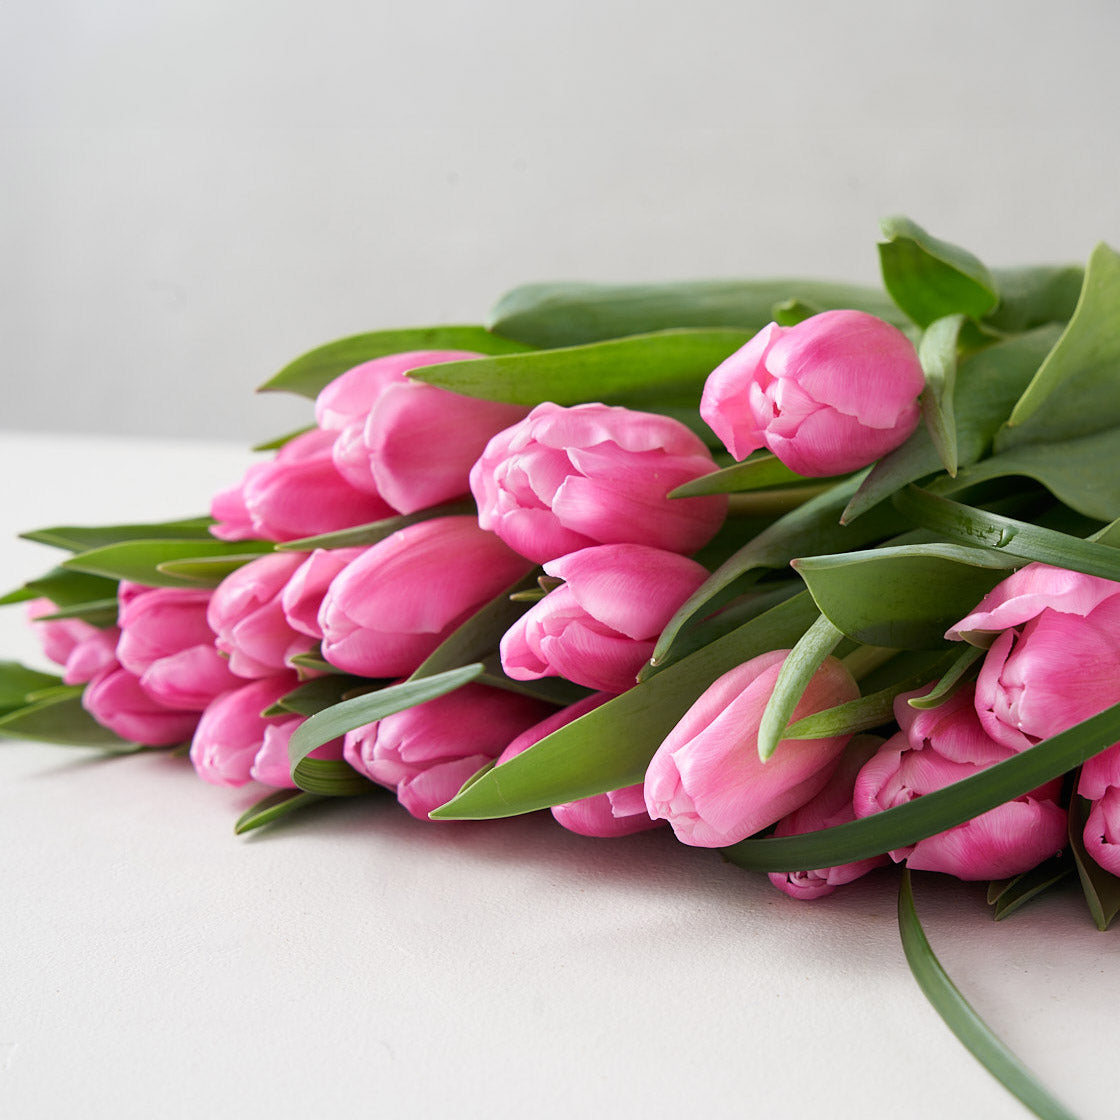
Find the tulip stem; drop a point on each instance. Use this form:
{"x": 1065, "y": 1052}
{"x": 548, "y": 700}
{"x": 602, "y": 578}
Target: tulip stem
{"x": 860, "y": 662}
{"x": 757, "y": 502}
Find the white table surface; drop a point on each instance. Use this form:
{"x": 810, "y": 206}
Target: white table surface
{"x": 356, "y": 962}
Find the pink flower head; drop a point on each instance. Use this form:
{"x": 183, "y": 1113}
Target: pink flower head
{"x": 566, "y": 478}
{"x": 600, "y": 626}
{"x": 298, "y": 494}
{"x": 619, "y": 812}
{"x": 706, "y": 778}
{"x": 1100, "y": 784}
{"x": 303, "y": 594}
{"x": 426, "y": 753}
{"x": 830, "y": 807}
{"x": 941, "y": 746}
{"x": 82, "y": 649}
{"x": 827, "y": 396}
{"x": 388, "y": 610}
{"x": 271, "y": 764}
{"x": 411, "y": 443}
{"x": 247, "y": 615}
{"x": 1056, "y": 659}
{"x": 117, "y": 701}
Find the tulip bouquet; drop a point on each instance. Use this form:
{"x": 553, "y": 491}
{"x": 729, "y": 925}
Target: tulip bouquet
{"x": 822, "y": 576}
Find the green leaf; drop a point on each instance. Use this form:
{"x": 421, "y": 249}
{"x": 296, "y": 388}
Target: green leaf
{"x": 317, "y": 694}
{"x": 100, "y": 612}
{"x": 610, "y": 747}
{"x": 550, "y": 315}
{"x": 64, "y": 588}
{"x": 1031, "y": 296}
{"x": 1074, "y": 392}
{"x": 82, "y": 538}
{"x": 645, "y": 370}
{"x": 934, "y": 812}
{"x": 947, "y": 685}
{"x": 1022, "y": 539}
{"x": 206, "y": 571}
{"x": 988, "y": 383}
{"x": 17, "y": 682}
{"x": 329, "y": 777}
{"x": 1018, "y": 891}
{"x": 359, "y": 710}
{"x": 938, "y": 354}
{"x": 312, "y": 371}
{"x": 929, "y": 278}
{"x": 962, "y": 1020}
{"x": 277, "y": 442}
{"x": 312, "y": 661}
{"x": 277, "y": 804}
{"x": 1101, "y": 889}
{"x": 139, "y": 560}
{"x": 798, "y": 669}
{"x": 904, "y": 597}
{"x": 60, "y": 718}
{"x": 375, "y": 531}
{"x": 759, "y": 471}
{"x": 790, "y": 312}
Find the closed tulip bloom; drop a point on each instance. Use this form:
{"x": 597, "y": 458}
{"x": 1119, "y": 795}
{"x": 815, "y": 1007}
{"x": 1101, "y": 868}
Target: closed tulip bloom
{"x": 600, "y": 626}
{"x": 831, "y": 807}
{"x": 82, "y": 649}
{"x": 1099, "y": 783}
{"x": 706, "y": 778}
{"x": 117, "y": 701}
{"x": 936, "y": 748}
{"x": 616, "y": 813}
{"x": 386, "y": 611}
{"x": 300, "y": 493}
{"x": 827, "y": 396}
{"x": 1055, "y": 658}
{"x": 247, "y": 614}
{"x": 271, "y": 764}
{"x": 427, "y": 752}
{"x": 303, "y": 594}
{"x": 564, "y": 479}
{"x": 231, "y": 731}
{"x": 411, "y": 443}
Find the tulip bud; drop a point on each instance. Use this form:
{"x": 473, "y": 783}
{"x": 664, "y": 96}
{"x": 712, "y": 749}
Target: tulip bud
{"x": 827, "y": 396}
{"x": 117, "y": 701}
{"x": 303, "y": 594}
{"x": 83, "y": 650}
{"x": 566, "y": 478}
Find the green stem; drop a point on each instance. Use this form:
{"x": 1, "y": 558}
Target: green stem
{"x": 865, "y": 660}
{"x": 761, "y": 502}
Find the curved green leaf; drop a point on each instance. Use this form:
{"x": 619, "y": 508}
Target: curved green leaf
{"x": 206, "y": 571}
{"x": 934, "y": 812}
{"x": 1036, "y": 294}
{"x": 962, "y": 1020}
{"x": 18, "y": 682}
{"x": 1017, "y": 892}
{"x": 329, "y": 777}
{"x": 374, "y": 531}
{"x": 312, "y": 371}
{"x": 82, "y": 538}
{"x": 760, "y": 471}
{"x": 140, "y": 560}
{"x": 64, "y": 588}
{"x": 318, "y": 694}
{"x": 275, "y": 806}
{"x": 947, "y": 685}
{"x": 938, "y": 354}
{"x": 1101, "y": 888}
{"x": 100, "y": 613}
{"x": 60, "y": 718}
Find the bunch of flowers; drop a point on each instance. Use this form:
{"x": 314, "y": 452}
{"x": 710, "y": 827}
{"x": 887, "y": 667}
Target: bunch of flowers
{"x": 822, "y": 576}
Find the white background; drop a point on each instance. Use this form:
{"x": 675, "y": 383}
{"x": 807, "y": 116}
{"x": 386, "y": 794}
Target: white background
{"x": 196, "y": 191}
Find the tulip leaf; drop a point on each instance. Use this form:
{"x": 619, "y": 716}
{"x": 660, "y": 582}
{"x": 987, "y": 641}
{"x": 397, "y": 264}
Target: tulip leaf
{"x": 374, "y": 531}
{"x": 1022, "y": 539}
{"x": 276, "y": 805}
{"x": 1074, "y": 392}
{"x": 139, "y": 560}
{"x": 643, "y": 370}
{"x": 1014, "y": 893}
{"x": 312, "y": 661}
{"x": 610, "y": 747}
{"x": 929, "y": 278}
{"x": 974, "y": 1034}
{"x": 790, "y": 312}
{"x": 82, "y": 538}
{"x": 937, "y": 353}
{"x": 987, "y": 385}
{"x": 761, "y": 470}
{"x": 336, "y": 720}
{"x": 947, "y": 685}
{"x": 317, "y": 694}
{"x": 933, "y": 812}
{"x": 277, "y": 442}
{"x": 1036, "y": 294}
{"x": 798, "y": 669}
{"x": 904, "y": 597}
{"x": 206, "y": 571}
{"x": 18, "y": 682}
{"x": 810, "y": 528}
{"x": 101, "y": 613}
{"x": 64, "y": 588}
{"x": 329, "y": 777}
{"x": 551, "y": 315}
{"x": 58, "y": 717}
{"x": 316, "y": 369}
{"x": 1101, "y": 888}
{"x": 552, "y": 690}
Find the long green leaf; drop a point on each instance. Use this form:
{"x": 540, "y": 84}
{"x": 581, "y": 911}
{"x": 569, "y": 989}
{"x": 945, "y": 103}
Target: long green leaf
{"x": 206, "y": 571}
{"x": 17, "y": 682}
{"x": 82, "y": 538}
{"x": 140, "y": 560}
{"x": 761, "y": 470}
{"x": 64, "y": 588}
{"x": 100, "y": 613}
{"x": 312, "y": 371}
{"x": 962, "y": 1020}
{"x": 60, "y": 718}
{"x": 1019, "y": 891}
{"x": 934, "y": 812}
{"x": 1100, "y": 887}
{"x": 329, "y": 777}
{"x": 274, "y": 807}
{"x": 610, "y": 747}
{"x": 374, "y": 531}
{"x": 1033, "y": 295}
{"x": 938, "y": 354}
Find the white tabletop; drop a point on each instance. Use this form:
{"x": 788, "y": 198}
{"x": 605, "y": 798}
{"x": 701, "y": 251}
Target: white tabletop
{"x": 356, "y": 962}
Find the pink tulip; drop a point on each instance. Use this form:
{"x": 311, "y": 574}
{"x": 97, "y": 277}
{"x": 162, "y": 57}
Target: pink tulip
{"x": 1100, "y": 784}
{"x": 388, "y": 610}
{"x": 600, "y": 626}
{"x": 706, "y": 778}
{"x": 1056, "y": 660}
{"x": 271, "y": 764}
{"x": 247, "y": 615}
{"x": 167, "y": 642}
{"x": 231, "y": 732}
{"x": 298, "y": 494}
{"x": 830, "y": 807}
{"x": 566, "y": 478}
{"x": 827, "y": 396}
{"x": 83, "y": 650}
{"x": 411, "y": 443}
{"x": 620, "y": 812}
{"x": 426, "y": 753}
{"x": 303, "y": 594}
{"x": 117, "y": 701}
{"x": 936, "y": 748}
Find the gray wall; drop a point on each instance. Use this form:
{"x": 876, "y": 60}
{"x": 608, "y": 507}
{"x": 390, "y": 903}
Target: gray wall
{"x": 196, "y": 191}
